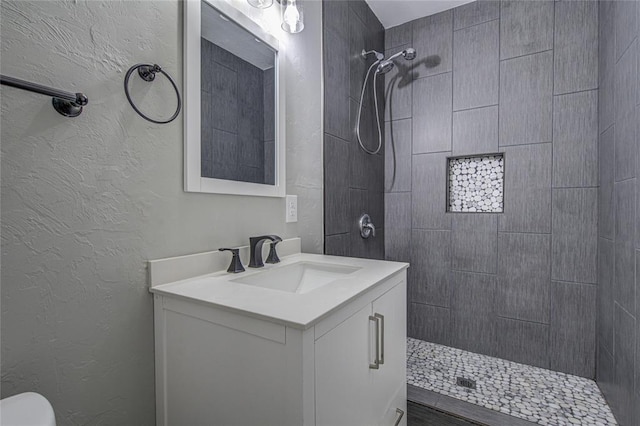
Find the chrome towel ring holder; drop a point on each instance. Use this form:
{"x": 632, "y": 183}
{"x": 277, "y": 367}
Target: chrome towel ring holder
{"x": 148, "y": 73}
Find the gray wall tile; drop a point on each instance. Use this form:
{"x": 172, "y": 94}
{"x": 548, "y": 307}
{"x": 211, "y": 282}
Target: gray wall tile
{"x": 358, "y": 40}
{"x": 606, "y": 171}
{"x": 474, "y": 242}
{"x": 575, "y": 239}
{"x": 475, "y": 131}
{"x": 398, "y": 88}
{"x": 476, "y": 66}
{"x": 225, "y": 148}
{"x": 606, "y": 64}
{"x": 605, "y": 293}
{"x": 623, "y": 361}
{"x": 575, "y": 46}
{"x": 432, "y": 114}
{"x": 336, "y": 245}
{"x": 429, "y": 196}
{"x": 637, "y": 325}
{"x": 359, "y": 9}
{"x": 432, "y": 36}
{"x": 397, "y": 226}
{"x": 625, "y": 26}
{"x": 398, "y": 35}
{"x": 572, "y": 334}
{"x": 526, "y": 102}
{"x": 624, "y": 277}
{"x": 605, "y": 372}
{"x": 430, "y": 323}
{"x": 336, "y": 18}
{"x": 523, "y": 276}
{"x": 475, "y": 13}
{"x": 525, "y": 27}
{"x": 606, "y": 105}
{"x": 624, "y": 264}
{"x": 354, "y": 181}
{"x": 625, "y": 114}
{"x": 619, "y": 161}
{"x": 575, "y": 139}
{"x": 473, "y": 318}
{"x": 336, "y": 80}
{"x": 430, "y": 264}
{"x": 224, "y": 99}
{"x": 397, "y": 173}
{"x": 521, "y": 341}
{"x": 638, "y": 179}
{"x": 336, "y": 189}
{"x": 527, "y": 203}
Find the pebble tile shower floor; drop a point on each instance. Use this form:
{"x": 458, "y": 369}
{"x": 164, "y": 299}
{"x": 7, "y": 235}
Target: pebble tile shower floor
{"x": 530, "y": 393}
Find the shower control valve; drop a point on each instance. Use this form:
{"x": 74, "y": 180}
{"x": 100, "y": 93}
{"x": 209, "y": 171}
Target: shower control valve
{"x": 367, "y": 228}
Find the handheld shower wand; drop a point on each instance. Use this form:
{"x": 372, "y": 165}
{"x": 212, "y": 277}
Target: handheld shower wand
{"x": 383, "y": 67}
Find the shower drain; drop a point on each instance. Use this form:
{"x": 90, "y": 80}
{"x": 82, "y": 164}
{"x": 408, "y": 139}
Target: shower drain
{"x": 466, "y": 383}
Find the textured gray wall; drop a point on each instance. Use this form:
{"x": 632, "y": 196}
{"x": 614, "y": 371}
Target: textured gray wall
{"x": 353, "y": 179}
{"x": 619, "y": 210}
{"x": 87, "y": 201}
{"x": 513, "y": 77}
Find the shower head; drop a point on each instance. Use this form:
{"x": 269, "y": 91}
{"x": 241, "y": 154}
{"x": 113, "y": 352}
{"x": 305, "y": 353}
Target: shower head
{"x": 409, "y": 54}
{"x": 385, "y": 66}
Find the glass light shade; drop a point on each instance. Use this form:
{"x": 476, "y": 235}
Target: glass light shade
{"x": 292, "y": 16}
{"x": 260, "y": 4}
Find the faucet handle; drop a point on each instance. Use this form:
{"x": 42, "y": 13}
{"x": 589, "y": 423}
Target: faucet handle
{"x": 236, "y": 263}
{"x": 273, "y": 255}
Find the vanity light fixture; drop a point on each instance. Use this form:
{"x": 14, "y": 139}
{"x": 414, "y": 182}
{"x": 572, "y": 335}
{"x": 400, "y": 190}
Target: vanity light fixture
{"x": 260, "y": 4}
{"x": 292, "y": 15}
{"x": 292, "y": 19}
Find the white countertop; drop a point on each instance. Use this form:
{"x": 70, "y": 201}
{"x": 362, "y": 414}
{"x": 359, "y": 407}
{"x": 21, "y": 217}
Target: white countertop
{"x": 291, "y": 309}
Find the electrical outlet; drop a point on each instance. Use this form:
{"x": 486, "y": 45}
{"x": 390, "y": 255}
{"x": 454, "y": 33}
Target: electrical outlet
{"x": 291, "y": 209}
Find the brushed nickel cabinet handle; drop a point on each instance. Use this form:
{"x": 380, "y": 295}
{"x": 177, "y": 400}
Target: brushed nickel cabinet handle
{"x": 399, "y": 411}
{"x": 376, "y": 362}
{"x": 381, "y": 336}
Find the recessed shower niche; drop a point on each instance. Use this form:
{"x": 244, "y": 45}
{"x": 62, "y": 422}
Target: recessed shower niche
{"x": 475, "y": 184}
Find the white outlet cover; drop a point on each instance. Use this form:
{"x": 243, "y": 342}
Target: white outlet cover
{"x": 291, "y": 209}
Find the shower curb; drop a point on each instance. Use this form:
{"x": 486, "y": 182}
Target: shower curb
{"x": 462, "y": 409}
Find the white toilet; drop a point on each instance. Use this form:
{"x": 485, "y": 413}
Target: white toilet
{"x": 26, "y": 409}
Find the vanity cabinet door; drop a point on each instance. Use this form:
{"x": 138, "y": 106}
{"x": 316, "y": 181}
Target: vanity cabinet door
{"x": 343, "y": 377}
{"x": 348, "y": 391}
{"x": 389, "y": 381}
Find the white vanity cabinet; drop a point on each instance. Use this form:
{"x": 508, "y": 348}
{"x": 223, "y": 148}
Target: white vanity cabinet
{"x": 216, "y": 366}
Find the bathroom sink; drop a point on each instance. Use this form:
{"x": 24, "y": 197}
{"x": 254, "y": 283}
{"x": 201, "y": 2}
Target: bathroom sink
{"x": 299, "y": 277}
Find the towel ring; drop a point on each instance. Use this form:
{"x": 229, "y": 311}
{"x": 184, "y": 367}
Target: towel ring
{"x": 148, "y": 73}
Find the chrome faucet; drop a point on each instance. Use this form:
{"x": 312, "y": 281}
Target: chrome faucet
{"x": 255, "y": 247}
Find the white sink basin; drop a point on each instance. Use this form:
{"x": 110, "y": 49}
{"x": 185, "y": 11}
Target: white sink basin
{"x": 300, "y": 277}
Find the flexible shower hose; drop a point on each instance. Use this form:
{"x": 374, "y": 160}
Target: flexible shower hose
{"x": 375, "y": 100}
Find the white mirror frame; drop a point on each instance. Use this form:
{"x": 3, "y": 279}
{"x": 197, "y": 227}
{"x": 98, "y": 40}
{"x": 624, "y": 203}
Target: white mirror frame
{"x": 193, "y": 181}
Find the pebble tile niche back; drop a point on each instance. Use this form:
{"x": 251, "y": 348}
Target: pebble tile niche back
{"x": 475, "y": 184}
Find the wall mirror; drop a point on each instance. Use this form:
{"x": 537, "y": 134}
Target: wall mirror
{"x": 234, "y": 103}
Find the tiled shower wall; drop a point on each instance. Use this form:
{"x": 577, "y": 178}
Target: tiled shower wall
{"x": 353, "y": 180}
{"x": 619, "y": 211}
{"x": 519, "y": 78}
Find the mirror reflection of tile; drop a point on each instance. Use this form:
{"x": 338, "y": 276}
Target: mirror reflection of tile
{"x": 476, "y": 184}
{"x": 237, "y": 116}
